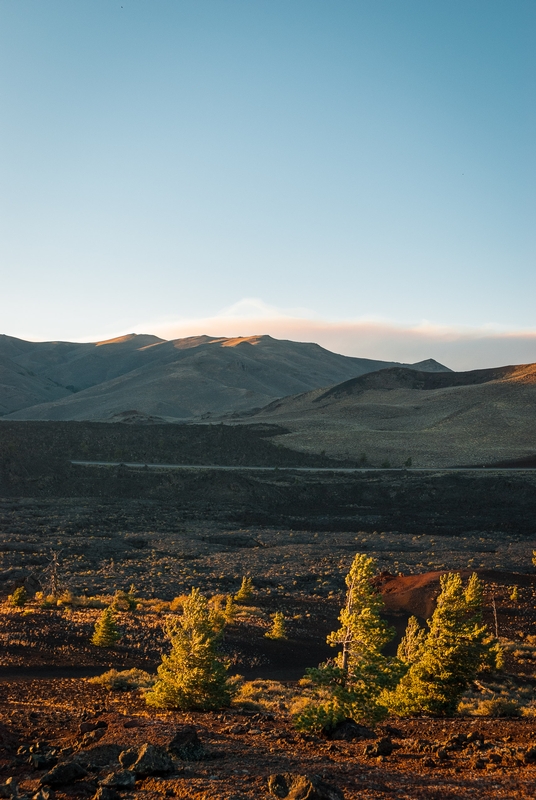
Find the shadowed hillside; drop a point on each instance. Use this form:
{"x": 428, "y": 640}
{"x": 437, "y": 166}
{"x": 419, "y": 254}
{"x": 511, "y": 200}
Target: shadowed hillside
{"x": 435, "y": 419}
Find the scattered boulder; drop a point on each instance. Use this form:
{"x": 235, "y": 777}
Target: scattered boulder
{"x": 64, "y": 773}
{"x": 100, "y": 756}
{"x": 46, "y": 793}
{"x": 390, "y": 730}
{"x": 152, "y": 760}
{"x": 456, "y": 742}
{"x": 91, "y": 725}
{"x": 529, "y": 757}
{"x": 474, "y": 736}
{"x": 106, "y": 793}
{"x": 383, "y": 747}
{"x": 186, "y": 744}
{"x": 347, "y": 730}
{"x": 125, "y": 779}
{"x": 92, "y": 737}
{"x": 9, "y": 789}
{"x": 128, "y": 757}
{"x": 43, "y": 760}
{"x": 294, "y": 786}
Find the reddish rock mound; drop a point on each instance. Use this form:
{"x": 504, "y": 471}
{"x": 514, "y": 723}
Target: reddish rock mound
{"x": 417, "y": 594}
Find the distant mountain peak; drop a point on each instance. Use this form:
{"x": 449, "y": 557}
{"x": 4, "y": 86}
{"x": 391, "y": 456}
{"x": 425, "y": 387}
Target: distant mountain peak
{"x": 141, "y": 338}
{"x": 430, "y": 365}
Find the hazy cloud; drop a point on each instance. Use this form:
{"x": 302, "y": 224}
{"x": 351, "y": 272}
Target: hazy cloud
{"x": 458, "y": 348}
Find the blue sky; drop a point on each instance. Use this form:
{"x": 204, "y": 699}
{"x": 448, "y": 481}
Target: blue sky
{"x": 167, "y": 163}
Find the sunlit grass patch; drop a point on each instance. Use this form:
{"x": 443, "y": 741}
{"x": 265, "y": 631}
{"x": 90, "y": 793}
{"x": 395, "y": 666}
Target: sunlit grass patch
{"x": 125, "y": 680}
{"x": 264, "y": 695}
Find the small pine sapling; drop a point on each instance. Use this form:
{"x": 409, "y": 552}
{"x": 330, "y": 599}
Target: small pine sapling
{"x": 245, "y": 592}
{"x": 193, "y": 675}
{"x": 19, "y": 598}
{"x": 230, "y": 610}
{"x": 278, "y": 629}
{"x": 105, "y": 633}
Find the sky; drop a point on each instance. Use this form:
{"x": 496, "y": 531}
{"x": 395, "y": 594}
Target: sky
{"x": 359, "y": 173}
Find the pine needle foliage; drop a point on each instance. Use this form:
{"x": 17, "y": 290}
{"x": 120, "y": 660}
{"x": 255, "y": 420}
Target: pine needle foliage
{"x": 19, "y": 598}
{"x": 105, "y": 633}
{"x": 444, "y": 660}
{"x": 278, "y": 629}
{"x": 193, "y": 676}
{"x": 245, "y": 592}
{"x": 412, "y": 642}
{"x": 230, "y": 610}
{"x": 351, "y": 684}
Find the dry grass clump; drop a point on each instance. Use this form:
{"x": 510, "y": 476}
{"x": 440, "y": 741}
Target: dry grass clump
{"x": 263, "y": 695}
{"x": 500, "y": 699}
{"x": 68, "y": 599}
{"x": 523, "y": 650}
{"x": 125, "y": 681}
{"x": 177, "y": 603}
{"x": 153, "y": 605}
{"x": 497, "y": 707}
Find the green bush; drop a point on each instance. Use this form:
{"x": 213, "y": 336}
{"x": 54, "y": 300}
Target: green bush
{"x": 193, "y": 675}
{"x": 278, "y": 629}
{"x": 124, "y": 681}
{"x": 230, "y": 609}
{"x": 19, "y": 597}
{"x": 105, "y": 633}
{"x": 245, "y": 592}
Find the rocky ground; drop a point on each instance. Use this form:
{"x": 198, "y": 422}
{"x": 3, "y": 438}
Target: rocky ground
{"x": 166, "y": 534}
{"x": 50, "y": 711}
{"x": 54, "y": 722}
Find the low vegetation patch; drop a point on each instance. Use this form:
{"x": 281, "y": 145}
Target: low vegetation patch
{"x": 125, "y": 680}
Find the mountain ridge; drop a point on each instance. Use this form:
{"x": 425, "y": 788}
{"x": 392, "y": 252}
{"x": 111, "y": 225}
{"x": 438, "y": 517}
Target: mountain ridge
{"x": 177, "y": 380}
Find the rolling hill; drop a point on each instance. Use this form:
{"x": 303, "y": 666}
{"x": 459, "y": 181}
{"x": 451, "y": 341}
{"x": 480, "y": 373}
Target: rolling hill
{"x": 139, "y": 376}
{"x": 435, "y": 419}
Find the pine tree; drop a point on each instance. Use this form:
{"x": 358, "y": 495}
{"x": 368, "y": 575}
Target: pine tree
{"x": 412, "y": 642}
{"x": 444, "y": 660}
{"x": 230, "y": 610}
{"x": 105, "y": 633}
{"x": 278, "y": 629}
{"x": 245, "y": 592}
{"x": 193, "y": 675}
{"x": 350, "y": 686}
{"x": 19, "y": 597}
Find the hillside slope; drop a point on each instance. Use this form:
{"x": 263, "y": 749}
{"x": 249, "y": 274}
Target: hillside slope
{"x": 441, "y": 419}
{"x": 175, "y": 380}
